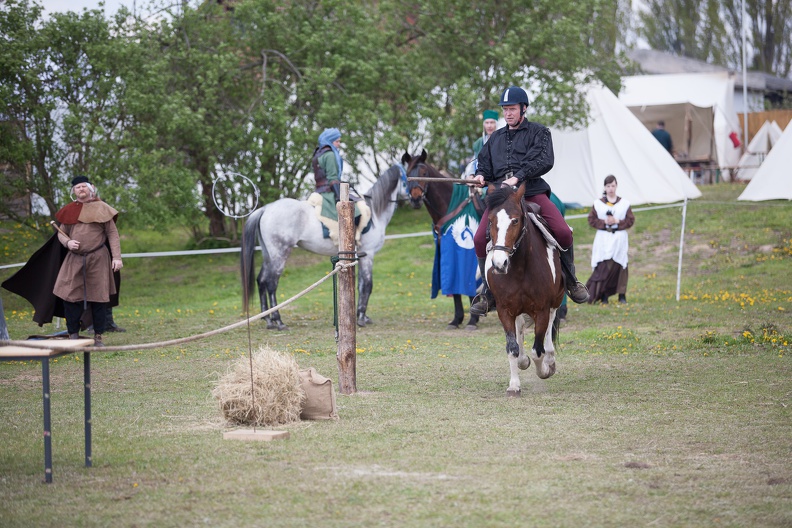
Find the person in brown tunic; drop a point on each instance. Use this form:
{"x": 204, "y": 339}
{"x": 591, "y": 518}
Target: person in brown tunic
{"x": 86, "y": 275}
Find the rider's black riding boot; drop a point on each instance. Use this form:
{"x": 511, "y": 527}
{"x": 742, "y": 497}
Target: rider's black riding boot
{"x": 485, "y": 302}
{"x": 577, "y": 290}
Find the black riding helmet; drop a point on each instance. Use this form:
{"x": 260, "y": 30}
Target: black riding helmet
{"x": 515, "y": 95}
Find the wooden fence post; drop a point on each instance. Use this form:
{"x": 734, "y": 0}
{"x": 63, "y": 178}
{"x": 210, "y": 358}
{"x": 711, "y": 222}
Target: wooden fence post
{"x": 347, "y": 342}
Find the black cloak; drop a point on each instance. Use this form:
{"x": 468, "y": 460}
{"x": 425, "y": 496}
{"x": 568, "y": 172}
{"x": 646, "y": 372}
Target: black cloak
{"x": 36, "y": 280}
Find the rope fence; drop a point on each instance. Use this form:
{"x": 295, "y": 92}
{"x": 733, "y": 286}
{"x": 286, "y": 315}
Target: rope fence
{"x": 47, "y": 344}
{"x": 188, "y": 252}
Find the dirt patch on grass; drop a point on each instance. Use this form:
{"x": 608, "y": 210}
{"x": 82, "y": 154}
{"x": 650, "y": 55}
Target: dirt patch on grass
{"x": 381, "y": 472}
{"x": 22, "y": 379}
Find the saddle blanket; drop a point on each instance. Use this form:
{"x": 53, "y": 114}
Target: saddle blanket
{"x": 325, "y": 208}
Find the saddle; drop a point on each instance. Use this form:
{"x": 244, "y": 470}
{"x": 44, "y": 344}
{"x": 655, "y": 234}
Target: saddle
{"x": 534, "y": 213}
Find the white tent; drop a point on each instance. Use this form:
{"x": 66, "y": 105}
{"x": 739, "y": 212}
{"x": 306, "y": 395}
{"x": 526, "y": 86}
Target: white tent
{"x": 757, "y": 150}
{"x": 698, "y": 110}
{"x": 773, "y": 180}
{"x": 615, "y": 142}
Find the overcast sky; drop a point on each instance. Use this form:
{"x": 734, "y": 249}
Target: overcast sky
{"x": 110, "y": 6}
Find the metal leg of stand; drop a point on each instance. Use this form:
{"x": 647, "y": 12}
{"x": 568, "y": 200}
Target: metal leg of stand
{"x": 45, "y": 381}
{"x": 87, "y": 381}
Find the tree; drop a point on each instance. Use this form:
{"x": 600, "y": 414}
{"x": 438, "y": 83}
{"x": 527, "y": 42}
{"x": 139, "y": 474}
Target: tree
{"x": 711, "y": 31}
{"x": 323, "y": 64}
{"x": 58, "y": 80}
{"x": 462, "y": 56}
{"x": 161, "y": 110}
{"x": 187, "y": 99}
{"x": 26, "y": 135}
{"x": 769, "y": 33}
{"x": 688, "y": 28}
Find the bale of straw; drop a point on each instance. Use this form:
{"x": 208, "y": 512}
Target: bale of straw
{"x": 278, "y": 392}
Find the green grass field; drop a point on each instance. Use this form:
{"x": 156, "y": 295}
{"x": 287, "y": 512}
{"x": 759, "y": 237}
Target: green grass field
{"x": 663, "y": 413}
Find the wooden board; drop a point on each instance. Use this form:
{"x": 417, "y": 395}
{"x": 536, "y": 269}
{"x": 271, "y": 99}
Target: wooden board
{"x": 258, "y": 434}
{"x": 17, "y": 351}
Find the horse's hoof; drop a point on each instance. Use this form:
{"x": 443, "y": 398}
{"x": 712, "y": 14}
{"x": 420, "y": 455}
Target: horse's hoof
{"x": 363, "y": 321}
{"x": 513, "y": 393}
{"x": 276, "y": 325}
{"x": 524, "y": 363}
{"x": 545, "y": 372}
{"x": 471, "y": 327}
{"x": 452, "y": 326}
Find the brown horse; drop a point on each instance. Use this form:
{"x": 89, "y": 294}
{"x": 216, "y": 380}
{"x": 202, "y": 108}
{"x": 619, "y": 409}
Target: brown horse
{"x": 524, "y": 274}
{"x": 436, "y": 197}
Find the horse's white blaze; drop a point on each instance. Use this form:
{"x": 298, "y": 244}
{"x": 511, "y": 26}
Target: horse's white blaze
{"x": 550, "y": 262}
{"x": 500, "y": 259}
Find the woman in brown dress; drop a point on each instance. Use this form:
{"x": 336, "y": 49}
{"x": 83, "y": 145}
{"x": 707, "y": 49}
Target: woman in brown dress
{"x": 611, "y": 216}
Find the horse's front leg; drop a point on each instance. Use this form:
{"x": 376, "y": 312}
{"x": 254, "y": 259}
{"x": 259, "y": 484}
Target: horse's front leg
{"x": 543, "y": 351}
{"x": 474, "y": 319}
{"x": 523, "y": 360}
{"x": 512, "y": 351}
{"x": 365, "y": 285}
{"x": 459, "y": 313}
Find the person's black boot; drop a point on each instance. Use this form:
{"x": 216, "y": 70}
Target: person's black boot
{"x": 484, "y": 302}
{"x": 575, "y": 289}
{"x": 604, "y": 299}
{"x": 622, "y": 298}
{"x": 110, "y": 325}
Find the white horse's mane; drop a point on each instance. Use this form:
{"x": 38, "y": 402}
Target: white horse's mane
{"x": 380, "y": 192}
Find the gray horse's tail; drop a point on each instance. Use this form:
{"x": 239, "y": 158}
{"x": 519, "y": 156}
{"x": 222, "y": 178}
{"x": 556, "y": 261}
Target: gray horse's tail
{"x": 250, "y": 235}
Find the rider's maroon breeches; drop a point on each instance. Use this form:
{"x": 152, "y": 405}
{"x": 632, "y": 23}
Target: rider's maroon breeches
{"x": 558, "y": 226}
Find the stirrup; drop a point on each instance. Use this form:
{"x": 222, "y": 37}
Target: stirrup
{"x": 482, "y": 304}
{"x": 578, "y": 292}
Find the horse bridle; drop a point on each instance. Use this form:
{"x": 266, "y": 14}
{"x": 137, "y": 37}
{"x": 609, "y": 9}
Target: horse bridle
{"x": 510, "y": 251}
{"x": 423, "y": 188}
{"x": 418, "y": 184}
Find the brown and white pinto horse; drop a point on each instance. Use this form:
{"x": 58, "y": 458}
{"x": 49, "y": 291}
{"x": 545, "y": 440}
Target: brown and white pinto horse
{"x": 524, "y": 274}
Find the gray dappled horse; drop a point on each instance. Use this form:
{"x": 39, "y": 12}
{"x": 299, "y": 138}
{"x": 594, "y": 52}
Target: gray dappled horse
{"x": 523, "y": 271}
{"x": 281, "y": 225}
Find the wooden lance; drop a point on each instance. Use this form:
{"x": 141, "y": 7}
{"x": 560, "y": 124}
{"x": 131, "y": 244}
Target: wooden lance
{"x": 443, "y": 180}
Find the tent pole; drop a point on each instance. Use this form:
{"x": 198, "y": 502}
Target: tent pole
{"x": 681, "y": 248}
{"x": 745, "y": 79}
